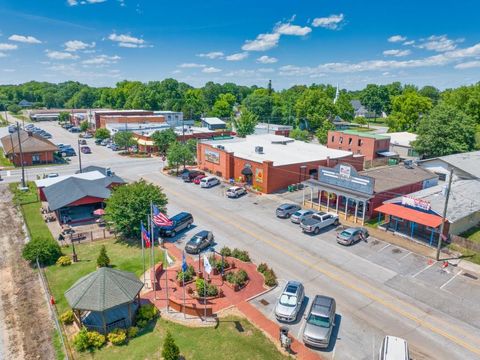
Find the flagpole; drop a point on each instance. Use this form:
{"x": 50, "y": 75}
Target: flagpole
{"x": 143, "y": 252}
{"x": 166, "y": 275}
{"x": 152, "y": 236}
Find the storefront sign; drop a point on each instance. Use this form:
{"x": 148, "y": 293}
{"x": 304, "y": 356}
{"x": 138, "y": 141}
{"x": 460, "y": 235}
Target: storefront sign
{"x": 212, "y": 156}
{"x": 259, "y": 175}
{"x": 418, "y": 203}
{"x": 345, "y": 176}
{"x": 345, "y": 171}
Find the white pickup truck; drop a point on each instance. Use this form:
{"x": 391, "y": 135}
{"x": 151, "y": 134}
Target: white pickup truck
{"x": 318, "y": 221}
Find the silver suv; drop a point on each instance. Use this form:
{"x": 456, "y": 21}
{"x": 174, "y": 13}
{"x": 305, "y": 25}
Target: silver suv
{"x": 290, "y": 302}
{"x": 286, "y": 210}
{"x": 320, "y": 322}
{"x": 299, "y": 215}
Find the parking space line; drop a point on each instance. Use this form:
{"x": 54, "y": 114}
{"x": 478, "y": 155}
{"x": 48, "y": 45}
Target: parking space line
{"x": 451, "y": 279}
{"x": 404, "y": 256}
{"x": 425, "y": 268}
{"x": 383, "y": 248}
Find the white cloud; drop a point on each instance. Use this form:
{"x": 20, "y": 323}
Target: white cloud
{"x": 59, "y": 55}
{"x": 24, "y": 39}
{"x": 9, "y": 70}
{"x": 289, "y": 29}
{"x": 237, "y": 56}
{"x": 331, "y": 22}
{"x": 83, "y": 2}
{"x": 262, "y": 42}
{"x": 440, "y": 43}
{"x": 397, "y": 38}
{"x": 124, "y": 39}
{"x": 266, "y": 70}
{"x": 210, "y": 70}
{"x": 267, "y": 60}
{"x": 410, "y": 42}
{"x": 2, "y": 55}
{"x": 396, "y": 52}
{"x": 177, "y": 71}
{"x": 6, "y": 47}
{"x": 75, "y": 45}
{"x": 468, "y": 65}
{"x": 191, "y": 65}
{"x": 102, "y": 60}
{"x": 212, "y": 55}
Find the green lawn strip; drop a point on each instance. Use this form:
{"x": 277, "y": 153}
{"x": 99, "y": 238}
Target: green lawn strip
{"x": 57, "y": 345}
{"x": 472, "y": 234}
{"x": 361, "y": 129}
{"x": 122, "y": 256}
{"x": 467, "y": 254}
{"x": 3, "y": 160}
{"x": 224, "y": 342}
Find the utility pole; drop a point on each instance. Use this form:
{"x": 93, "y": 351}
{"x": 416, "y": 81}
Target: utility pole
{"x": 79, "y": 156}
{"x": 21, "y": 155}
{"x": 444, "y": 217}
{"x": 269, "y": 94}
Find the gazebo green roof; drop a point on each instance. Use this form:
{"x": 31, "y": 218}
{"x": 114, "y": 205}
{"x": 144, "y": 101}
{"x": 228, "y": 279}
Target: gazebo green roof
{"x": 103, "y": 289}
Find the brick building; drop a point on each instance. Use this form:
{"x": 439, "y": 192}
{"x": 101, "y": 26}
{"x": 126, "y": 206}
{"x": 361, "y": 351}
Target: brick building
{"x": 269, "y": 162}
{"x": 98, "y": 114}
{"x": 36, "y": 149}
{"x": 105, "y": 120}
{"x": 371, "y": 146}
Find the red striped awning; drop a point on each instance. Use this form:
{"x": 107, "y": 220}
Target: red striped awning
{"x": 409, "y": 214}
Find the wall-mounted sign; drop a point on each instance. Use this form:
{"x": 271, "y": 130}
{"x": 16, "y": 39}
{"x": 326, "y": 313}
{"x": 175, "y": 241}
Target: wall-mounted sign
{"x": 418, "y": 203}
{"x": 212, "y": 156}
{"x": 345, "y": 176}
{"x": 259, "y": 175}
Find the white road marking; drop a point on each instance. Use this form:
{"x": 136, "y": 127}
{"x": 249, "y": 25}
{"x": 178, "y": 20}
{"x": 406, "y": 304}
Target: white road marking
{"x": 404, "y": 256}
{"x": 425, "y": 268}
{"x": 9, "y": 173}
{"x": 453, "y": 277}
{"x": 383, "y": 248}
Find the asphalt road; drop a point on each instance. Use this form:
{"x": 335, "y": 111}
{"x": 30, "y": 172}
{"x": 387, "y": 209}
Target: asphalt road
{"x": 380, "y": 289}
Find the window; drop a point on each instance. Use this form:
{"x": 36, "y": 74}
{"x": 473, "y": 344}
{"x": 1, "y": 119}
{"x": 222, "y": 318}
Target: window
{"x": 341, "y": 140}
{"x": 350, "y": 141}
{"x": 360, "y": 142}
{"x": 412, "y": 152}
{"x": 35, "y": 158}
{"x": 333, "y": 138}
{"x": 441, "y": 176}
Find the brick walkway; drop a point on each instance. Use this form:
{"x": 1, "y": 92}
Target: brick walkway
{"x": 273, "y": 330}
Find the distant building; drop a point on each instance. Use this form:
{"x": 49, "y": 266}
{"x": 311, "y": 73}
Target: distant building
{"x": 96, "y": 114}
{"x": 367, "y": 144}
{"x": 465, "y": 165}
{"x": 401, "y": 144}
{"x": 213, "y": 123}
{"x": 274, "y": 129}
{"x": 24, "y": 103}
{"x": 173, "y": 118}
{"x": 130, "y": 120}
{"x": 360, "y": 110}
{"x": 36, "y": 149}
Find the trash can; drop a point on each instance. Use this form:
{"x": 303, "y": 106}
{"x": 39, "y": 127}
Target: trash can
{"x": 284, "y": 330}
{"x": 289, "y": 188}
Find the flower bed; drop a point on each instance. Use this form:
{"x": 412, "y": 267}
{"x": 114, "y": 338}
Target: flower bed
{"x": 237, "y": 280}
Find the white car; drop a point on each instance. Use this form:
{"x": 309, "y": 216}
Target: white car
{"x": 318, "y": 221}
{"x": 299, "y": 215}
{"x": 394, "y": 348}
{"x": 235, "y": 192}
{"x": 209, "y": 181}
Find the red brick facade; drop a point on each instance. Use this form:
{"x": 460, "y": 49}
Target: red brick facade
{"x": 363, "y": 145}
{"x": 45, "y": 157}
{"x": 98, "y": 115}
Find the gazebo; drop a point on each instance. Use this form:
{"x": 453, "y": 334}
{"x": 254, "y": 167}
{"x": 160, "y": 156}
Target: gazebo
{"x": 105, "y": 299}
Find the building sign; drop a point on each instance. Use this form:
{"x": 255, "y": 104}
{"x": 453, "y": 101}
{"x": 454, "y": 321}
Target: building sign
{"x": 345, "y": 176}
{"x": 212, "y": 156}
{"x": 259, "y": 175}
{"x": 417, "y": 203}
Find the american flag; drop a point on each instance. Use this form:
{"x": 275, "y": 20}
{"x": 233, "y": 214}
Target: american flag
{"x": 145, "y": 236}
{"x": 160, "y": 219}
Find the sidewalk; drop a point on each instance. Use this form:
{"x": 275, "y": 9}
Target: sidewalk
{"x": 273, "y": 330}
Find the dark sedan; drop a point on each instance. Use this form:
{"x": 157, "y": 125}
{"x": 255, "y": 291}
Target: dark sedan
{"x": 199, "y": 242}
{"x": 85, "y": 150}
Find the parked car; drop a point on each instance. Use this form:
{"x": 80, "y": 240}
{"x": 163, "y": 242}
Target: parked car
{"x": 209, "y": 181}
{"x": 85, "y": 150}
{"x": 87, "y": 136}
{"x": 67, "y": 126}
{"x": 320, "y": 322}
{"x": 199, "y": 242}
{"x": 286, "y": 210}
{"x": 394, "y": 348}
{"x": 82, "y": 142}
{"x": 52, "y": 175}
{"x": 180, "y": 221}
{"x": 290, "y": 302}
{"x": 98, "y": 141}
{"x": 352, "y": 235}
{"x": 318, "y": 221}
{"x": 299, "y": 215}
{"x": 105, "y": 142}
{"x": 114, "y": 147}
{"x": 198, "y": 178}
{"x": 68, "y": 152}
{"x": 12, "y": 129}
{"x": 74, "y": 129}
{"x": 235, "y": 192}
{"x": 189, "y": 175}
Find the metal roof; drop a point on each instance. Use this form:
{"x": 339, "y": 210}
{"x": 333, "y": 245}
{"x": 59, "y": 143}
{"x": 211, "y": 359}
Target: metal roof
{"x": 468, "y": 162}
{"x": 31, "y": 143}
{"x": 213, "y": 121}
{"x": 103, "y": 289}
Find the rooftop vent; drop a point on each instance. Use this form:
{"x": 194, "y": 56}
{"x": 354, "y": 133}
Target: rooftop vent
{"x": 259, "y": 149}
{"x": 221, "y": 147}
{"x": 408, "y": 164}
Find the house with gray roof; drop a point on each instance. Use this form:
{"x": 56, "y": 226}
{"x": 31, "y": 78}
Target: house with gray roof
{"x": 464, "y": 165}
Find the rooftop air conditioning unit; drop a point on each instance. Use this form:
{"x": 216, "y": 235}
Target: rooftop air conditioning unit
{"x": 221, "y": 147}
{"x": 259, "y": 149}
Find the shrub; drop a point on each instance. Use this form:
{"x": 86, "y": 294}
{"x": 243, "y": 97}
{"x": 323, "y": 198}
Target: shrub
{"x": 225, "y": 251}
{"x": 117, "y": 337}
{"x": 170, "y": 349}
{"x": 238, "y": 278}
{"x": 85, "y": 340}
{"x": 262, "y": 268}
{"x": 217, "y": 263}
{"x": 95, "y": 339}
{"x": 241, "y": 255}
{"x": 64, "y": 260}
{"x": 103, "y": 260}
{"x": 210, "y": 289}
{"x": 187, "y": 275}
{"x": 270, "y": 278}
{"x": 67, "y": 317}
{"x": 132, "y": 332}
{"x": 47, "y": 250}
{"x": 145, "y": 314}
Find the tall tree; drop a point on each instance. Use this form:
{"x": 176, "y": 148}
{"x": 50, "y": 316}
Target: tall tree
{"x": 124, "y": 139}
{"x": 315, "y": 106}
{"x": 407, "y": 110}
{"x": 223, "y": 107}
{"x": 163, "y": 139}
{"x": 245, "y": 124}
{"x": 194, "y": 103}
{"x": 375, "y": 98}
{"x": 260, "y": 103}
{"x": 322, "y": 131}
{"x": 179, "y": 154}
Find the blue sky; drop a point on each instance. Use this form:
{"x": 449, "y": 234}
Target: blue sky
{"x": 352, "y": 43}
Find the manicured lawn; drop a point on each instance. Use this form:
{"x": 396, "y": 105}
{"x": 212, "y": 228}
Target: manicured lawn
{"x": 3, "y": 160}
{"x": 122, "y": 257}
{"x": 473, "y": 234}
{"x": 468, "y": 255}
{"x": 233, "y": 339}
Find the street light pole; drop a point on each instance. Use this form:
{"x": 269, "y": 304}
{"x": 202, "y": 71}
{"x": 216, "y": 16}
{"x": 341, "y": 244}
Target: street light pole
{"x": 21, "y": 155}
{"x": 444, "y": 216}
{"x": 79, "y": 156}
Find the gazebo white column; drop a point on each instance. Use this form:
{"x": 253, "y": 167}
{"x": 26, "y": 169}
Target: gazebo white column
{"x": 328, "y": 200}
{"x": 356, "y": 210}
{"x": 346, "y": 207}
{"x": 364, "y": 211}
{"x": 336, "y": 208}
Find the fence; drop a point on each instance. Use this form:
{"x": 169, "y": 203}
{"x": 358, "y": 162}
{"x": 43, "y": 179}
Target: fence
{"x": 465, "y": 243}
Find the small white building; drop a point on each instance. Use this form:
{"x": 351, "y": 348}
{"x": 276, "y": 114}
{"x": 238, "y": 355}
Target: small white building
{"x": 213, "y": 123}
{"x": 401, "y": 143}
{"x": 465, "y": 165}
{"x": 173, "y": 118}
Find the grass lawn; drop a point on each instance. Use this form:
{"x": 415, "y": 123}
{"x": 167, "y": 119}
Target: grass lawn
{"x": 20, "y": 117}
{"x": 234, "y": 338}
{"x": 361, "y": 129}
{"x": 3, "y": 160}
{"x": 472, "y": 234}
{"x": 467, "y": 254}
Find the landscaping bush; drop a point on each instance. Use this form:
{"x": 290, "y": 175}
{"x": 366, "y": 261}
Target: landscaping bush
{"x": 132, "y": 332}
{"x": 262, "y": 268}
{"x": 117, "y": 337}
{"x": 217, "y": 263}
{"x": 145, "y": 314}
{"x": 86, "y": 340}
{"x": 241, "y": 255}
{"x": 67, "y": 317}
{"x": 225, "y": 251}
{"x": 187, "y": 275}
{"x": 64, "y": 260}
{"x": 210, "y": 289}
{"x": 47, "y": 250}
{"x": 103, "y": 260}
{"x": 95, "y": 339}
{"x": 270, "y": 277}
{"x": 170, "y": 349}
{"x": 238, "y": 278}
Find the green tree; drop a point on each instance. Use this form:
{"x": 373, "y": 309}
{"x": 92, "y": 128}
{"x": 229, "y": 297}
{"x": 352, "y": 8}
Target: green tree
{"x": 163, "y": 139}
{"x": 245, "y": 124}
{"x": 102, "y": 134}
{"x": 179, "y": 154}
{"x": 223, "y": 107}
{"x": 375, "y": 98}
{"x": 260, "y": 103}
{"x": 344, "y": 108}
{"x": 170, "y": 350}
{"x": 14, "y": 109}
{"x": 431, "y": 92}
{"x": 84, "y": 125}
{"x": 192, "y": 145}
{"x": 130, "y": 204}
{"x": 64, "y": 116}
{"x": 407, "y": 110}
{"x": 322, "y": 132}
{"x": 446, "y": 130}
{"x": 316, "y": 106}
{"x": 194, "y": 103}
{"x": 299, "y": 134}
{"x": 46, "y": 250}
{"x": 124, "y": 139}
{"x": 103, "y": 260}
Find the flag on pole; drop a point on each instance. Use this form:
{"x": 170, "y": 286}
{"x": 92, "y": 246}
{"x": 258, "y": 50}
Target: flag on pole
{"x": 184, "y": 263}
{"x": 206, "y": 265}
{"x": 145, "y": 236}
{"x": 168, "y": 258}
{"x": 160, "y": 219}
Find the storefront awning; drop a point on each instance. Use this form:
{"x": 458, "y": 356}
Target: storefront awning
{"x": 409, "y": 214}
